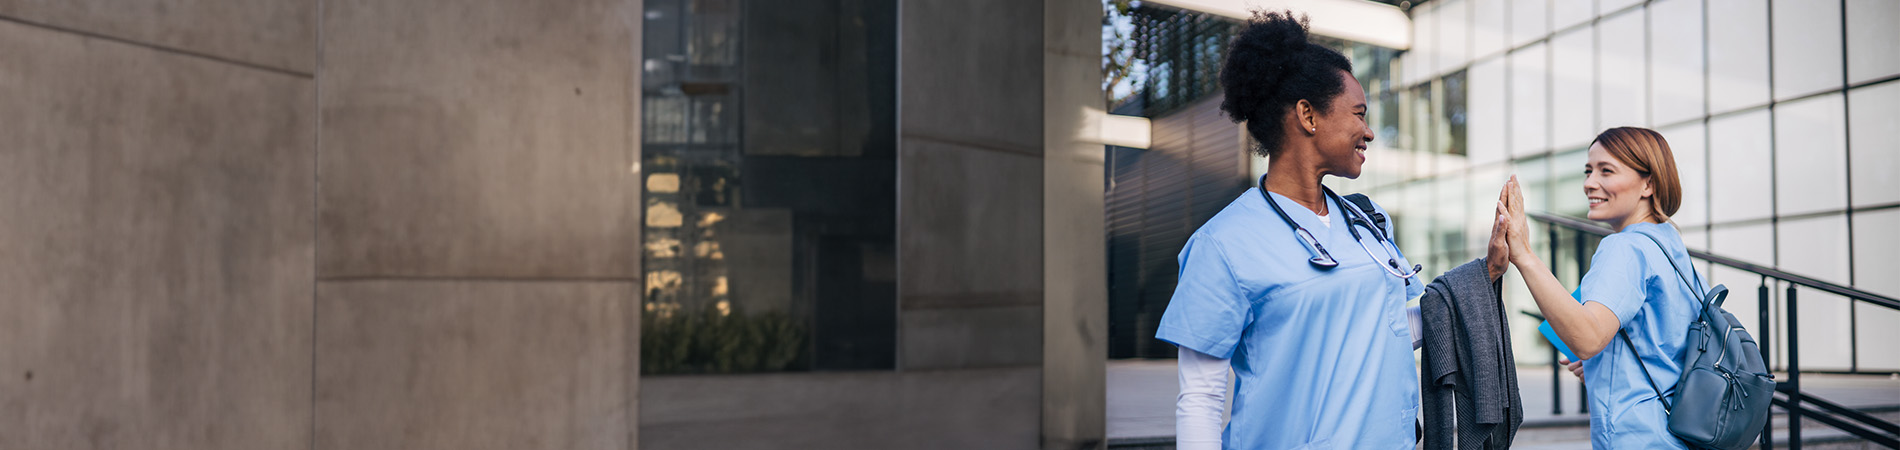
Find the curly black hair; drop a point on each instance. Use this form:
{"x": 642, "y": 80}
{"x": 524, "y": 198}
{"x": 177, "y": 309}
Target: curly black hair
{"x": 1270, "y": 67}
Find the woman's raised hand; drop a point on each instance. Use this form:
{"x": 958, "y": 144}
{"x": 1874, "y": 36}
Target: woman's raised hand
{"x": 1518, "y": 231}
{"x": 1497, "y": 256}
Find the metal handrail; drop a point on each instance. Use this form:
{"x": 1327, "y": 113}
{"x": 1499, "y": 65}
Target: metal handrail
{"x": 1862, "y": 425}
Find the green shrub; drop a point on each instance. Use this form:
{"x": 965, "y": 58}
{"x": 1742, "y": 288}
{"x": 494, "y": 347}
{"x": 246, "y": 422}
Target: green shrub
{"x": 706, "y": 341}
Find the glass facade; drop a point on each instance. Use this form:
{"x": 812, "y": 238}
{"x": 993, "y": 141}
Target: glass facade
{"x": 1782, "y": 118}
{"x": 768, "y": 148}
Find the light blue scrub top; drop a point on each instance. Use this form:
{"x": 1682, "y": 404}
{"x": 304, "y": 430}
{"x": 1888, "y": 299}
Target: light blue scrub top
{"x": 1630, "y": 276}
{"x": 1322, "y": 358}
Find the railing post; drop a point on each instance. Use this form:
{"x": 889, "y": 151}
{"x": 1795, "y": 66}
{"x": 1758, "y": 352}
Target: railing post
{"x": 1794, "y": 372}
{"x": 1583, "y": 391}
{"x": 1761, "y": 295}
{"x": 1556, "y": 384}
{"x": 1767, "y": 339}
{"x": 1557, "y": 370}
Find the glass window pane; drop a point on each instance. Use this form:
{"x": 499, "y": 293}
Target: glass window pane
{"x": 1566, "y": 195}
{"x": 1816, "y": 247}
{"x": 1448, "y": 213}
{"x": 1625, "y": 76}
{"x": 1424, "y": 42}
{"x": 1738, "y": 55}
{"x": 1807, "y": 47}
{"x": 1414, "y": 220}
{"x": 1481, "y": 205}
{"x": 1529, "y": 104}
{"x": 1530, "y": 21}
{"x": 1485, "y": 116}
{"x": 1870, "y": 37}
{"x": 1487, "y": 28}
{"x": 1675, "y": 57}
{"x": 770, "y": 240}
{"x": 1608, "y": 7}
{"x": 1451, "y": 123}
{"x": 1533, "y": 174}
{"x": 1810, "y": 156}
{"x": 1752, "y": 243}
{"x": 1874, "y": 128}
{"x": 1569, "y": 13}
{"x": 1875, "y": 243}
{"x": 1688, "y": 144}
{"x": 1879, "y": 339}
{"x": 1696, "y": 238}
{"x": 1740, "y": 184}
{"x": 1573, "y": 89}
{"x": 1824, "y": 321}
{"x": 1454, "y": 35}
{"x": 1424, "y": 117}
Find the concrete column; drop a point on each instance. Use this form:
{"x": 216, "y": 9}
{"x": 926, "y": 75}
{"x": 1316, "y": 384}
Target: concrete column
{"x": 1075, "y": 267}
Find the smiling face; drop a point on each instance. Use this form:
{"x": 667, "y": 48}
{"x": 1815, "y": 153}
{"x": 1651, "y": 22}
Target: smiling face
{"x": 1617, "y": 194}
{"x": 1343, "y": 132}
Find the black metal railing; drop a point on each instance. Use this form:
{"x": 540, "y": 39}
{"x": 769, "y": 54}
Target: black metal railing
{"x": 1788, "y": 396}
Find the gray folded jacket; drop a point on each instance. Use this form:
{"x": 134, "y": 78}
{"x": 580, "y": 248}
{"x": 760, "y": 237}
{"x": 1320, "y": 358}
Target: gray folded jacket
{"x": 1469, "y": 378}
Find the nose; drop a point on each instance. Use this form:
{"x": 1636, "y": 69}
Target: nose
{"x": 1366, "y": 130}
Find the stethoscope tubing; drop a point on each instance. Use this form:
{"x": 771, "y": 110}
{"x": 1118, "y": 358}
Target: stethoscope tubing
{"x": 1324, "y": 259}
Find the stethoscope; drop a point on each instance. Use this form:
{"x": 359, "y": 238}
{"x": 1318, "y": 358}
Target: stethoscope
{"x": 1324, "y": 260}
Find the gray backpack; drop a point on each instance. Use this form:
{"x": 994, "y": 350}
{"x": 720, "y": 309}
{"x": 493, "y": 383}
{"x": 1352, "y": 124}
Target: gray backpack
{"x": 1722, "y": 399}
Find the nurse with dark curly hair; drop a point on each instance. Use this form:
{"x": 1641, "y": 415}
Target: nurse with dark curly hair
{"x": 1315, "y": 331}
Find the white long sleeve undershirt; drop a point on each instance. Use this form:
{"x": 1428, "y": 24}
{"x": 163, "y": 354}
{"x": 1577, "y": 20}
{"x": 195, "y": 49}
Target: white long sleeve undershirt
{"x": 1197, "y": 410}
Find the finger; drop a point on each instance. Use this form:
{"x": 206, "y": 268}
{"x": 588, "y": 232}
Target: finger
{"x": 1561, "y": 359}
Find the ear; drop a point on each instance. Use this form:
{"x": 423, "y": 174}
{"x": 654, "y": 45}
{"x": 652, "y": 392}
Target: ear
{"x": 1308, "y": 118}
{"x": 1649, "y": 187}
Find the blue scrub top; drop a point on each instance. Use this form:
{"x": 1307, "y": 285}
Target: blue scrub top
{"x": 1631, "y": 276}
{"x": 1322, "y": 358}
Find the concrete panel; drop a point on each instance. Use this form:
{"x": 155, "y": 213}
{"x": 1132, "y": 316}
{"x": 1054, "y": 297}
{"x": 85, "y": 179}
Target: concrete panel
{"x": 952, "y": 409}
{"x": 970, "y": 227}
{"x": 1075, "y": 267}
{"x": 278, "y": 34}
{"x": 494, "y": 141}
{"x": 473, "y": 365}
{"x": 951, "y": 338}
{"x": 156, "y": 255}
{"x": 971, "y": 73}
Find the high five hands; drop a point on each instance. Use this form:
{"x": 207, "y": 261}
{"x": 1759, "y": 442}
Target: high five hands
{"x": 1509, "y": 230}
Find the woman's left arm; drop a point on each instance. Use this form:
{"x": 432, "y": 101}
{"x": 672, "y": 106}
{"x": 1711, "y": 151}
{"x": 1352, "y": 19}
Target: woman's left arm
{"x": 1586, "y": 327}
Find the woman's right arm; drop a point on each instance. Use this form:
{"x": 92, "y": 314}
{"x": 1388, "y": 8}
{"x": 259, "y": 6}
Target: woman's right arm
{"x": 1197, "y": 413}
{"x": 1586, "y": 327}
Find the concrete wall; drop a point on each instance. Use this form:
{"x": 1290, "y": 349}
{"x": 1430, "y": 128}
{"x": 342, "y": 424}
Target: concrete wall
{"x": 318, "y": 224}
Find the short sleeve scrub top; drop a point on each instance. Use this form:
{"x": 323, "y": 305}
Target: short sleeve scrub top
{"x": 1322, "y": 357}
{"x": 1632, "y": 276}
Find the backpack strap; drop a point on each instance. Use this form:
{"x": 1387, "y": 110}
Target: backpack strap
{"x": 1632, "y": 345}
{"x": 1365, "y": 204}
{"x": 1639, "y": 363}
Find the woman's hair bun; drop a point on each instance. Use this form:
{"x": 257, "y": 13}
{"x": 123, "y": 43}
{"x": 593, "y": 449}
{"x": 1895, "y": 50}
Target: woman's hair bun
{"x": 1271, "y": 65}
